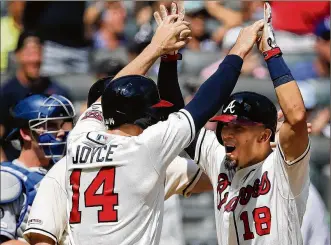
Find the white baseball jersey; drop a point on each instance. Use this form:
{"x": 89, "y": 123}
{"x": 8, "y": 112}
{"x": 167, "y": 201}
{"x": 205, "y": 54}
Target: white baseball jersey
{"x": 315, "y": 228}
{"x": 262, "y": 204}
{"x": 115, "y": 184}
{"x": 48, "y": 215}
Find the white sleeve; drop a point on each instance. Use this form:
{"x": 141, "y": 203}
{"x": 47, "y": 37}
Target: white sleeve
{"x": 90, "y": 120}
{"x": 208, "y": 151}
{"x": 182, "y": 175}
{"x": 48, "y": 213}
{"x": 315, "y": 229}
{"x": 165, "y": 140}
{"x": 294, "y": 174}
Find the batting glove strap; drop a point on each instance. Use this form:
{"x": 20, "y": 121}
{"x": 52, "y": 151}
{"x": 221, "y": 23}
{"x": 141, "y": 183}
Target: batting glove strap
{"x": 171, "y": 57}
{"x": 272, "y": 53}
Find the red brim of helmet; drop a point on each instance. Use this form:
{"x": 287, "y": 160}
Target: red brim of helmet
{"x": 233, "y": 119}
{"x": 163, "y": 103}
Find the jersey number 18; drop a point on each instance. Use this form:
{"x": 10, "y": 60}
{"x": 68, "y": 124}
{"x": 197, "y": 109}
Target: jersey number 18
{"x": 107, "y": 199}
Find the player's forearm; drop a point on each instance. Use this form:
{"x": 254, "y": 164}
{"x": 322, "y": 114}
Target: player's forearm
{"x": 141, "y": 64}
{"x": 168, "y": 84}
{"x": 215, "y": 91}
{"x": 228, "y": 17}
{"x": 287, "y": 91}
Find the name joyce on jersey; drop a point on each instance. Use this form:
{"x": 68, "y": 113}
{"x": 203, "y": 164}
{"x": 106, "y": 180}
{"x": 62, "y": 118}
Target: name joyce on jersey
{"x": 85, "y": 154}
{"x": 260, "y": 187}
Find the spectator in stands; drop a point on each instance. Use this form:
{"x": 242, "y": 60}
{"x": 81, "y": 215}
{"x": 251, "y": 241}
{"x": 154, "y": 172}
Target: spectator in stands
{"x": 229, "y": 18}
{"x": 61, "y": 25}
{"x": 11, "y": 27}
{"x": 27, "y": 80}
{"x": 112, "y": 22}
{"x": 108, "y": 67}
{"x": 196, "y": 15}
{"x": 252, "y": 65}
{"x": 320, "y": 67}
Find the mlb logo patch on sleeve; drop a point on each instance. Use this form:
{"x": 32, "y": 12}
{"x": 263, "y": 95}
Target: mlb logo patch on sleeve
{"x": 99, "y": 138}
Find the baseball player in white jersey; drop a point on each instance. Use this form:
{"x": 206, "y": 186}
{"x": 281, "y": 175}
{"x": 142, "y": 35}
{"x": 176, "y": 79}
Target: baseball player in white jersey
{"x": 260, "y": 195}
{"x": 48, "y": 216}
{"x": 115, "y": 180}
{"x": 315, "y": 228}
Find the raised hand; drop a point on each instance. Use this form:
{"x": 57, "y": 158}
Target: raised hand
{"x": 177, "y": 8}
{"x": 247, "y": 38}
{"x": 267, "y": 41}
{"x": 166, "y": 37}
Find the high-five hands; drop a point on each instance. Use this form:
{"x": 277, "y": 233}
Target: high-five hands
{"x": 178, "y": 10}
{"x": 247, "y": 38}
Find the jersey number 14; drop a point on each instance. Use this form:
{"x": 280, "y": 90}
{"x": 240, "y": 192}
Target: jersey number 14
{"x": 107, "y": 199}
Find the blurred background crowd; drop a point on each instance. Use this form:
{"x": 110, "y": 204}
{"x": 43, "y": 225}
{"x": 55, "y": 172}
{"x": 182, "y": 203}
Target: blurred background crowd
{"x": 64, "y": 46}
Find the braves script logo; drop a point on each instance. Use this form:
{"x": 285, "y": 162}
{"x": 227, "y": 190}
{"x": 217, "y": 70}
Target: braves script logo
{"x": 94, "y": 114}
{"x": 230, "y": 107}
{"x": 260, "y": 187}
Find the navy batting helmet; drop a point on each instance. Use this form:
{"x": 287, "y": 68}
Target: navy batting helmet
{"x": 97, "y": 89}
{"x": 38, "y": 110}
{"x": 247, "y": 108}
{"x": 129, "y": 98}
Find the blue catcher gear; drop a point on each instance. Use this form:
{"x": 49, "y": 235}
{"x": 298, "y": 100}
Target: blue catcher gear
{"x": 35, "y": 112}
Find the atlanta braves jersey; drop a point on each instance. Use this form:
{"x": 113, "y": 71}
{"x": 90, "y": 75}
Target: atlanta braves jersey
{"x": 48, "y": 215}
{"x": 260, "y": 204}
{"x": 115, "y": 184}
{"x": 315, "y": 228}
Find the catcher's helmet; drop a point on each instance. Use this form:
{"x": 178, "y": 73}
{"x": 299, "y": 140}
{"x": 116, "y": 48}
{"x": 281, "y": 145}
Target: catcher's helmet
{"x": 247, "y": 108}
{"x": 128, "y": 99}
{"x": 37, "y": 110}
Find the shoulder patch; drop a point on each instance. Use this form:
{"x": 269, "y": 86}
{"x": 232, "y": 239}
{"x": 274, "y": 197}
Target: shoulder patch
{"x": 100, "y": 138}
{"x": 94, "y": 114}
{"x": 11, "y": 187}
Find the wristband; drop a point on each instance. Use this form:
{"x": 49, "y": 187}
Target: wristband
{"x": 170, "y": 57}
{"x": 279, "y": 72}
{"x": 272, "y": 53}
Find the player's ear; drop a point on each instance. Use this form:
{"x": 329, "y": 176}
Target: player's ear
{"x": 265, "y": 135}
{"x": 25, "y": 134}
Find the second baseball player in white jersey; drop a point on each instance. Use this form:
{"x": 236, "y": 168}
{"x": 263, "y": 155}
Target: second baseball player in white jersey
{"x": 52, "y": 221}
{"x": 111, "y": 163}
{"x": 248, "y": 202}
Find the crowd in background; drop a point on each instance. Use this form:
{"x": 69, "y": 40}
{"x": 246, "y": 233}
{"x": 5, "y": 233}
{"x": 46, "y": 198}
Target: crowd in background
{"x": 43, "y": 42}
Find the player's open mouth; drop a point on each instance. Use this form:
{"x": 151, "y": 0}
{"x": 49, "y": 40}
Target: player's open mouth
{"x": 229, "y": 148}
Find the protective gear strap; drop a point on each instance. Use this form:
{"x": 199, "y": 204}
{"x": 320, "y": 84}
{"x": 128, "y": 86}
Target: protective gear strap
{"x": 171, "y": 57}
{"x": 272, "y": 53}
